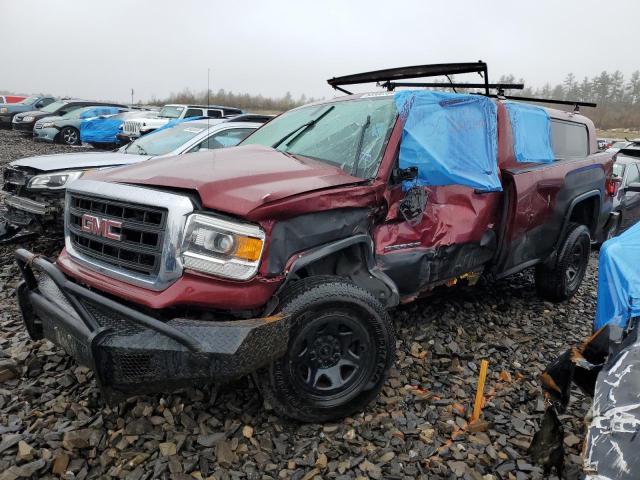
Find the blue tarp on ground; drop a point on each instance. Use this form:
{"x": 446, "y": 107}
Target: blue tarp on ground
{"x": 619, "y": 279}
{"x": 100, "y": 130}
{"x": 531, "y": 127}
{"x": 451, "y": 138}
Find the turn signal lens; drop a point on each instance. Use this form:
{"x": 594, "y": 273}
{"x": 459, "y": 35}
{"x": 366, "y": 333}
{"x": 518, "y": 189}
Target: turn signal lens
{"x": 248, "y": 248}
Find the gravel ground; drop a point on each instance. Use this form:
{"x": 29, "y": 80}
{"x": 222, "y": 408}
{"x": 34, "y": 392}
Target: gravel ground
{"x": 53, "y": 425}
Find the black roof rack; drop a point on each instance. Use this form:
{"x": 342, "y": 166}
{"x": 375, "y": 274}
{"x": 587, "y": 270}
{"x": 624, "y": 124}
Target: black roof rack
{"x": 417, "y": 71}
{"x": 577, "y": 104}
{"x": 500, "y": 87}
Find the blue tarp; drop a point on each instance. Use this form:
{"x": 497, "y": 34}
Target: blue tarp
{"x": 98, "y": 111}
{"x": 100, "y": 130}
{"x": 450, "y": 137}
{"x": 531, "y": 127}
{"x": 619, "y": 279}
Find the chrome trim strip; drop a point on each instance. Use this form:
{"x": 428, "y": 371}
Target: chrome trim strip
{"x": 25, "y": 204}
{"x": 178, "y": 208}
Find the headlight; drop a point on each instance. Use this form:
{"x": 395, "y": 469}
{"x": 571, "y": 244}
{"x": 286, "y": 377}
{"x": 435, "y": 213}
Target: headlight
{"x": 46, "y": 124}
{"x": 28, "y": 118}
{"x": 54, "y": 181}
{"x": 219, "y": 247}
{"x": 4, "y": 110}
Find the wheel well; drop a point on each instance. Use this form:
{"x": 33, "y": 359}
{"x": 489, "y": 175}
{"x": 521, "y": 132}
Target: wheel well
{"x": 355, "y": 263}
{"x": 585, "y": 212}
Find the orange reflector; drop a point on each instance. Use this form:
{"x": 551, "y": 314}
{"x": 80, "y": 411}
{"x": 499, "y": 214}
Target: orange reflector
{"x": 248, "y": 248}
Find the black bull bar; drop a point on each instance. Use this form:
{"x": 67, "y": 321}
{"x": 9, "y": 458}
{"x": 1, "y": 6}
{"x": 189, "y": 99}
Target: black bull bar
{"x": 132, "y": 352}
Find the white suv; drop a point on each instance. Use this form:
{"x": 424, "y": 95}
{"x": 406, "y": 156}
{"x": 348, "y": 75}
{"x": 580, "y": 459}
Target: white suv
{"x": 137, "y": 127}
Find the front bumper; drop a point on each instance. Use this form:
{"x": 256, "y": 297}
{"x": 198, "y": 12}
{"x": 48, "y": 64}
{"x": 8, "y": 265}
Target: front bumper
{"x": 132, "y": 352}
{"x": 5, "y": 120}
{"x": 25, "y": 127}
{"x": 45, "y": 134}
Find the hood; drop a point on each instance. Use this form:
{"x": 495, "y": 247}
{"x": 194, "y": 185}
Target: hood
{"x": 50, "y": 118}
{"x": 15, "y": 107}
{"x": 234, "y": 180}
{"x": 78, "y": 161}
{"x": 34, "y": 113}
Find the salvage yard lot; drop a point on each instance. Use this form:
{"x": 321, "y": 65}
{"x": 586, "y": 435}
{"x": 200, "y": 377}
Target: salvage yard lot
{"x": 53, "y": 406}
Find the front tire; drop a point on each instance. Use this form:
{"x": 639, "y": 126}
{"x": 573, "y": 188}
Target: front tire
{"x": 70, "y": 136}
{"x": 341, "y": 346}
{"x": 561, "y": 281}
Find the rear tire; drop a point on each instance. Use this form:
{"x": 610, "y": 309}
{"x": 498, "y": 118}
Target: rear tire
{"x": 561, "y": 281}
{"x": 69, "y": 136}
{"x": 341, "y": 346}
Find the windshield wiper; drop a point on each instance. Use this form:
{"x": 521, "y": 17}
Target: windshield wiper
{"x": 141, "y": 150}
{"x": 356, "y": 161}
{"x": 302, "y": 128}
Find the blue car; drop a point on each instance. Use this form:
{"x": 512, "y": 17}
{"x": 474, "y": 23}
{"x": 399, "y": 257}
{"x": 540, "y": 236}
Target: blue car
{"x": 34, "y": 102}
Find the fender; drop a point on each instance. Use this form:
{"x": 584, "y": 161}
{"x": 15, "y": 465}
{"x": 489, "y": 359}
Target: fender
{"x": 379, "y": 283}
{"x": 567, "y": 216}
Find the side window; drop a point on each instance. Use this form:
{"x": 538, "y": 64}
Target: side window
{"x": 193, "y": 112}
{"x": 226, "y": 138}
{"x": 633, "y": 174}
{"x": 569, "y": 139}
{"x": 214, "y": 113}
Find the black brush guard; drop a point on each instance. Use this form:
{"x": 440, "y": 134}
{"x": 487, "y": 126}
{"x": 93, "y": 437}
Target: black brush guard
{"x": 132, "y": 352}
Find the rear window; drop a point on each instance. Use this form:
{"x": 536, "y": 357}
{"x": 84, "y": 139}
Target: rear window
{"x": 569, "y": 139}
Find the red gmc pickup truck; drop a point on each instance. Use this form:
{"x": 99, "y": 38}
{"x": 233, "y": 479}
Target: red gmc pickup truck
{"x": 280, "y": 258}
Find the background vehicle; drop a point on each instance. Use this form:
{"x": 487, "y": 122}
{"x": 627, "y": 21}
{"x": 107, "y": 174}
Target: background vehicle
{"x": 617, "y": 145}
{"x": 34, "y": 187}
{"x": 66, "y": 128}
{"x": 34, "y": 102}
{"x": 281, "y": 256}
{"x": 24, "y": 122}
{"x": 12, "y": 98}
{"x": 136, "y": 127}
{"x": 626, "y": 202}
{"x": 104, "y": 132}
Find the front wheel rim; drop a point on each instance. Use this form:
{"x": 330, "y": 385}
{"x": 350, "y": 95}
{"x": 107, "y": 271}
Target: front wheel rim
{"x": 70, "y": 137}
{"x": 331, "y": 356}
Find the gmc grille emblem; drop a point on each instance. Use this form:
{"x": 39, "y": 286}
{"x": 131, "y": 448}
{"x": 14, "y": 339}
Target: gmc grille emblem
{"x": 102, "y": 227}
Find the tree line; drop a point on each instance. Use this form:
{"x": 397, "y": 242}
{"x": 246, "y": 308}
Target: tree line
{"x": 244, "y": 101}
{"x": 618, "y": 98}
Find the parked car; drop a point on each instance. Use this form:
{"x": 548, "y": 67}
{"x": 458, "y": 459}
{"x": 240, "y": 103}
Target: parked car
{"x": 603, "y": 144}
{"x": 34, "y": 187}
{"x": 34, "y": 102}
{"x": 12, "y": 98}
{"x": 281, "y": 256}
{"x": 625, "y": 188}
{"x": 65, "y": 129}
{"x": 25, "y": 121}
{"x": 615, "y": 146}
{"x": 134, "y": 128}
{"x": 103, "y": 132}
{"x": 606, "y": 367}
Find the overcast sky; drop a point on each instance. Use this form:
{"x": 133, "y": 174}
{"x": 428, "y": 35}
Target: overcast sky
{"x": 101, "y": 49}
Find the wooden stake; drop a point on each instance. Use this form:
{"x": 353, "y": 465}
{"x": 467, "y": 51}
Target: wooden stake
{"x": 477, "y": 405}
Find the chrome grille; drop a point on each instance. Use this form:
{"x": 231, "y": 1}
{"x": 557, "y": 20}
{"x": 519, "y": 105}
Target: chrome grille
{"x": 139, "y": 249}
{"x": 131, "y": 127}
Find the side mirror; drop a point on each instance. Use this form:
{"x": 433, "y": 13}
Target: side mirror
{"x": 407, "y": 174}
{"x": 633, "y": 187}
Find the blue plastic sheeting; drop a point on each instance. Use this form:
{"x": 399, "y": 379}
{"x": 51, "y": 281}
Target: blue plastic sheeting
{"x": 98, "y": 111}
{"x": 100, "y": 130}
{"x": 176, "y": 121}
{"x": 451, "y": 138}
{"x": 619, "y": 279}
{"x": 531, "y": 127}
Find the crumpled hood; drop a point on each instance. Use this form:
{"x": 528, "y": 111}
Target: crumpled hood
{"x": 234, "y": 180}
{"x": 51, "y": 118}
{"x": 78, "y": 161}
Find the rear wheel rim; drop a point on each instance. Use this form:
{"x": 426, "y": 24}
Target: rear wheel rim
{"x": 576, "y": 266}
{"x": 332, "y": 357}
{"x": 69, "y": 136}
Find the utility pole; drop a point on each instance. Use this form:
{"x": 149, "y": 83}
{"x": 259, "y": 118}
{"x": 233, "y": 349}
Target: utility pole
{"x": 132, "y": 97}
